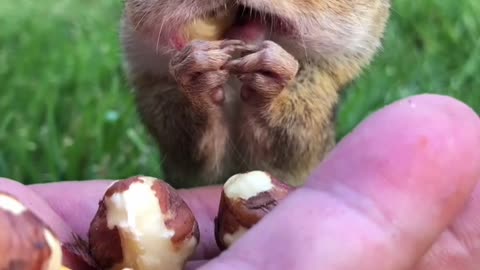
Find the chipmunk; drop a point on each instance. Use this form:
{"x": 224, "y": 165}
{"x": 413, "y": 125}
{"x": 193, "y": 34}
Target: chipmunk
{"x": 230, "y": 86}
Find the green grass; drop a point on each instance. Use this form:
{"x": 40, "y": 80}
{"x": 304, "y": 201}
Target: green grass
{"x": 66, "y": 112}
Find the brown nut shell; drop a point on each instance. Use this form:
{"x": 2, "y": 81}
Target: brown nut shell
{"x": 26, "y": 242}
{"x": 213, "y": 27}
{"x": 237, "y": 215}
{"x": 139, "y": 223}
{"x": 180, "y": 217}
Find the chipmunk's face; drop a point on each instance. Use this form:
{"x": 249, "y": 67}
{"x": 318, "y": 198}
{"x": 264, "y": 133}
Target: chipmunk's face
{"x": 312, "y": 28}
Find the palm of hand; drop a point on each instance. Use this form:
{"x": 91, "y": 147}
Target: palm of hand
{"x": 398, "y": 193}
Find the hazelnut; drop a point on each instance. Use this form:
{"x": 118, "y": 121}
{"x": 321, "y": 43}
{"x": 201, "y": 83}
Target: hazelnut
{"x": 246, "y": 198}
{"x": 25, "y": 241}
{"x": 142, "y": 223}
{"x": 212, "y": 27}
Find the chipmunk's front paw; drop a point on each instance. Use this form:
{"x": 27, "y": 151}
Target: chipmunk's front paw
{"x": 265, "y": 71}
{"x": 198, "y": 69}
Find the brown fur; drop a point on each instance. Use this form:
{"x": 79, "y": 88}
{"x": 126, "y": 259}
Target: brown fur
{"x": 287, "y": 136}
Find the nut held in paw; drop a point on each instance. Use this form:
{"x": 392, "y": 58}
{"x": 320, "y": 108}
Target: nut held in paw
{"x": 25, "y": 241}
{"x": 212, "y": 27}
{"x": 246, "y": 198}
{"x": 143, "y": 224}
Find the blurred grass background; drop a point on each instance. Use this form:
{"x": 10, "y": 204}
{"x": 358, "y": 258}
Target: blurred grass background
{"x": 66, "y": 112}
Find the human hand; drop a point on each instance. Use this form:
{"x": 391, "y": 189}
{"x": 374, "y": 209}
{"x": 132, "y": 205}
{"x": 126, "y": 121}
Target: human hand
{"x": 399, "y": 193}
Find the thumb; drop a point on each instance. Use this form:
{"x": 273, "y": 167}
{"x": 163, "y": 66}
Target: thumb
{"x": 379, "y": 201}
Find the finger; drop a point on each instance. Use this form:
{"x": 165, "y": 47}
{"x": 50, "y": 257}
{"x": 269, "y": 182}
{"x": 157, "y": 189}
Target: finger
{"x": 387, "y": 191}
{"x": 82, "y": 204}
{"x": 201, "y": 61}
{"x": 227, "y": 46}
{"x": 75, "y": 202}
{"x": 233, "y": 48}
{"x": 38, "y": 207}
{"x": 459, "y": 246}
{"x": 260, "y": 85}
{"x": 204, "y": 202}
{"x": 264, "y": 62}
{"x": 192, "y": 265}
{"x": 210, "y": 80}
{"x": 231, "y": 42}
{"x": 247, "y": 64}
{"x": 272, "y": 61}
{"x": 203, "y": 45}
{"x": 259, "y": 80}
{"x": 216, "y": 44}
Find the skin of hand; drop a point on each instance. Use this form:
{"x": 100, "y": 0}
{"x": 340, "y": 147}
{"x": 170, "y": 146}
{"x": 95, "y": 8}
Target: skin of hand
{"x": 399, "y": 193}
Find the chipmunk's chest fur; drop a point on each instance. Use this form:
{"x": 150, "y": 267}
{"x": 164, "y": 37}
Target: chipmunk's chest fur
{"x": 232, "y": 99}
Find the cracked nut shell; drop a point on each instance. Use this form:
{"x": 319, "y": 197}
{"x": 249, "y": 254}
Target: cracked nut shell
{"x": 142, "y": 223}
{"x": 246, "y": 198}
{"x": 25, "y": 241}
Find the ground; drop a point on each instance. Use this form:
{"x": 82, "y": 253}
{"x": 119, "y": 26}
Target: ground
{"x": 66, "y": 111}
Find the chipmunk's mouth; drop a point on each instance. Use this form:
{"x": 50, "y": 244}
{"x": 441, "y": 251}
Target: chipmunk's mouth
{"x": 234, "y": 22}
{"x": 237, "y": 22}
{"x": 252, "y": 25}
